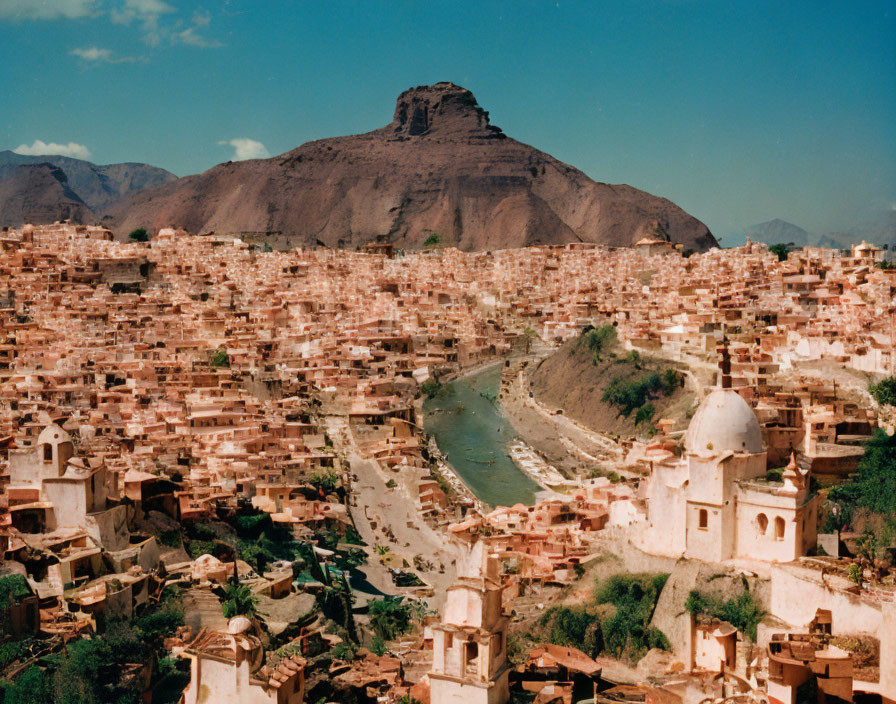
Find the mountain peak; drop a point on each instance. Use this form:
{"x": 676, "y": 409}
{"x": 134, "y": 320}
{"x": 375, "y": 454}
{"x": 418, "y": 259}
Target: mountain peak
{"x": 443, "y": 108}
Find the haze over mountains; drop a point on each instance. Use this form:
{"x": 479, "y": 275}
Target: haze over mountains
{"x": 43, "y": 189}
{"x": 880, "y": 230}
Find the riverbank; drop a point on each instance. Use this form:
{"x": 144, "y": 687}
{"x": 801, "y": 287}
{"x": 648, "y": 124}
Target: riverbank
{"x": 474, "y": 437}
{"x": 562, "y": 442}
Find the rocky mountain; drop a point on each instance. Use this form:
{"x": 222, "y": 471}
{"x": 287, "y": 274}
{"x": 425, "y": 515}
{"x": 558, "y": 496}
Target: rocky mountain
{"x": 439, "y": 167}
{"x": 40, "y": 193}
{"x": 779, "y": 232}
{"x": 97, "y": 186}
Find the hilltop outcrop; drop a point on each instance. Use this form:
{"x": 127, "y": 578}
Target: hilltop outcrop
{"x": 439, "y": 167}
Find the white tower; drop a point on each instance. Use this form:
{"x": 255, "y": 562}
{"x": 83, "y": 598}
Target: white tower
{"x": 470, "y": 645}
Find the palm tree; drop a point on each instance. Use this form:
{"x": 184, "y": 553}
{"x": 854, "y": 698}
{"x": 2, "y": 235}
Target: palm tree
{"x": 239, "y": 601}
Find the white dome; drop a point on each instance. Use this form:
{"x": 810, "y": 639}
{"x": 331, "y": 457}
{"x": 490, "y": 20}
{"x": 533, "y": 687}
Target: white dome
{"x": 724, "y": 421}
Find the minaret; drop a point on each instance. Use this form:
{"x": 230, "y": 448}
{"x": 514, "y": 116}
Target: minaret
{"x": 470, "y": 645}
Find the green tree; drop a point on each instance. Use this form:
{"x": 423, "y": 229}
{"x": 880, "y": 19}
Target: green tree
{"x": 432, "y": 241}
{"x": 884, "y": 392}
{"x": 139, "y": 235}
{"x": 389, "y": 617}
{"x": 239, "y": 601}
{"x": 573, "y": 626}
{"x": 672, "y": 379}
{"x": 324, "y": 481}
{"x": 744, "y": 611}
{"x": 220, "y": 358}
{"x": 781, "y": 250}
{"x": 644, "y": 414}
{"x": 33, "y": 685}
{"x": 598, "y": 339}
{"x": 874, "y": 486}
{"x": 635, "y": 598}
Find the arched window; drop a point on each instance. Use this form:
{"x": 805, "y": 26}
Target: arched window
{"x": 762, "y": 523}
{"x": 779, "y": 528}
{"x": 703, "y": 519}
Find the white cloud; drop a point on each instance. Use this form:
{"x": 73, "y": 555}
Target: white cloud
{"x": 94, "y": 54}
{"x": 190, "y": 37}
{"x": 46, "y": 9}
{"x": 156, "y": 20}
{"x": 244, "y": 148}
{"x": 147, "y": 12}
{"x": 40, "y": 148}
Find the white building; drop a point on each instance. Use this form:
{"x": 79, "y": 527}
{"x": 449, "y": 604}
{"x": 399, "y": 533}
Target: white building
{"x": 714, "y": 503}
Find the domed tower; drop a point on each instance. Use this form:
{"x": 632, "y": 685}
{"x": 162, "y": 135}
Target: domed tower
{"x": 723, "y": 446}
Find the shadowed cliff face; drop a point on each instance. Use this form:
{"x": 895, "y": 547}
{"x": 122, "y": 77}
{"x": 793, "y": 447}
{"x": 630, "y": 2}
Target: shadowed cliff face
{"x": 438, "y": 167}
{"x": 40, "y": 194}
{"x": 443, "y": 109}
{"x": 97, "y": 186}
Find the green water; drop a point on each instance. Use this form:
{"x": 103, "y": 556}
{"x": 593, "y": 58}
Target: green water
{"x": 474, "y": 436}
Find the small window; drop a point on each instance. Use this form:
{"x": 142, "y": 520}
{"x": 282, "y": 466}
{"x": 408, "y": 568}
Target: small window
{"x": 471, "y": 653}
{"x": 48, "y": 452}
{"x": 449, "y": 640}
{"x": 703, "y": 519}
{"x": 762, "y": 523}
{"x": 779, "y": 528}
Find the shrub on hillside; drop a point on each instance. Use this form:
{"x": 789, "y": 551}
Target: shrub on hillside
{"x": 884, "y": 392}
{"x": 627, "y": 631}
{"x": 744, "y": 611}
{"x": 598, "y": 339}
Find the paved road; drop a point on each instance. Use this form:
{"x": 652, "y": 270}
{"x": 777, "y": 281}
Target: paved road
{"x": 377, "y": 510}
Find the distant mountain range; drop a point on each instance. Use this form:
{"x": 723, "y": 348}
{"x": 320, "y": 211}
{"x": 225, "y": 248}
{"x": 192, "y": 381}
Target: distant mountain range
{"x": 43, "y": 189}
{"x": 880, "y": 230}
{"x": 40, "y": 193}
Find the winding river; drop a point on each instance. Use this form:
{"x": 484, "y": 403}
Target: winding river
{"x": 474, "y": 436}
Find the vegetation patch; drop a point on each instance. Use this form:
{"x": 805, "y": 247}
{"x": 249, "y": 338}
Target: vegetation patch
{"x": 104, "y": 667}
{"x": 874, "y": 486}
{"x": 574, "y": 627}
{"x": 884, "y": 392}
{"x": 598, "y": 339}
{"x": 633, "y": 395}
{"x": 744, "y": 611}
{"x": 782, "y": 251}
{"x": 13, "y": 588}
{"x": 626, "y": 633}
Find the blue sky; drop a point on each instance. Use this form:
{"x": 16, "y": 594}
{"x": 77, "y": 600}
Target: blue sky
{"x": 740, "y": 112}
